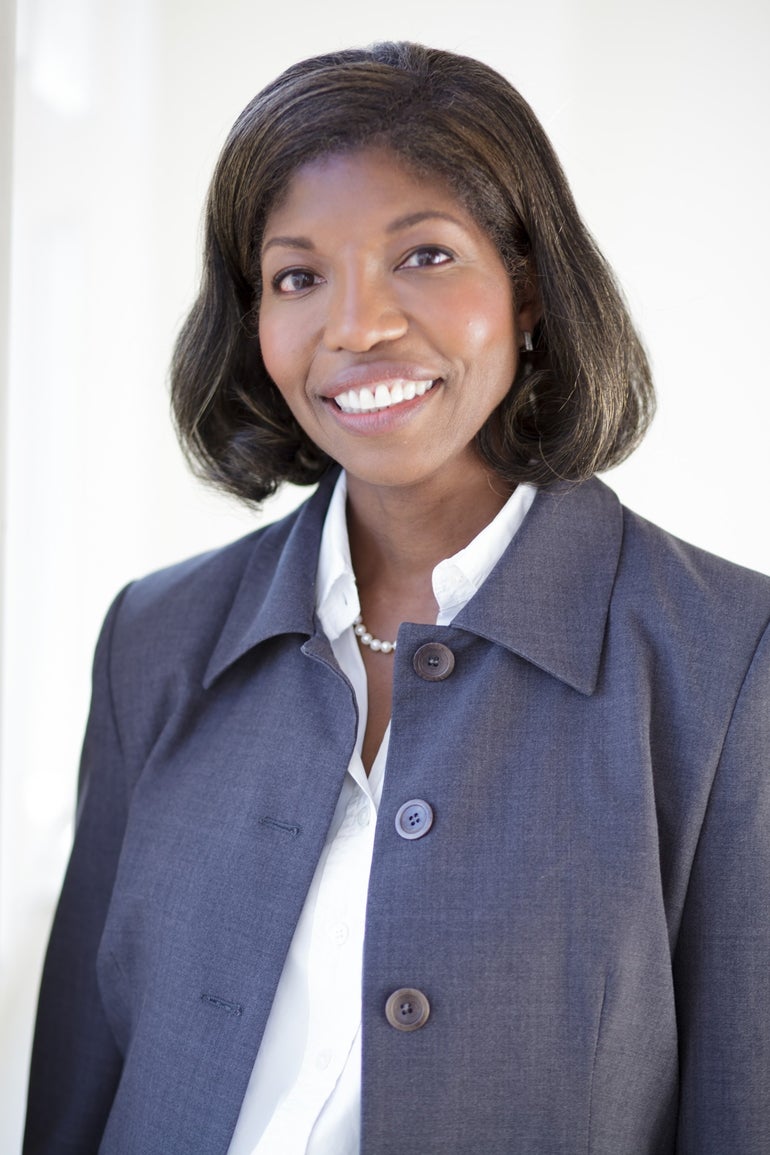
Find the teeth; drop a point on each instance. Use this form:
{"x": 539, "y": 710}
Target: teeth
{"x": 382, "y": 396}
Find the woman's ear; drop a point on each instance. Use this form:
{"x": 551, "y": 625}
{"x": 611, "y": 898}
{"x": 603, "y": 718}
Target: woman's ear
{"x": 529, "y": 309}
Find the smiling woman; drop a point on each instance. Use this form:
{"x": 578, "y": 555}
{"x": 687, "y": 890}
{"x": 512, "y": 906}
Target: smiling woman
{"x": 391, "y": 330}
{"x": 452, "y": 123}
{"x": 433, "y": 818}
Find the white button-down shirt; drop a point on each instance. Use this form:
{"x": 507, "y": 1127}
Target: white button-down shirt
{"x": 305, "y": 1090}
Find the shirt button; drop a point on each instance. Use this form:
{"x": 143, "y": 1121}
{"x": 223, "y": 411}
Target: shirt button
{"x": 363, "y": 816}
{"x": 323, "y": 1058}
{"x": 433, "y": 662}
{"x": 407, "y": 1009}
{"x": 414, "y": 819}
{"x": 339, "y": 933}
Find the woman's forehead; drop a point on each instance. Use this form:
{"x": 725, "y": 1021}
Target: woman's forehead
{"x": 380, "y": 173}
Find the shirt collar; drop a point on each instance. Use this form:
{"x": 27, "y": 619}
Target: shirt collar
{"x": 457, "y": 578}
{"x": 337, "y": 603}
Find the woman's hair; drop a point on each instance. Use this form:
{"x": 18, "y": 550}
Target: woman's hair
{"x": 581, "y": 400}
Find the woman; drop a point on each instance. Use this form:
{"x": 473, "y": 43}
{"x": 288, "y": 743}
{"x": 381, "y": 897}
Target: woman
{"x": 554, "y": 937}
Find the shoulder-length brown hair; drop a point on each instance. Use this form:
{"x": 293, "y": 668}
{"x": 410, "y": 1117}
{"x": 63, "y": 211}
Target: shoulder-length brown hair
{"x": 581, "y": 401}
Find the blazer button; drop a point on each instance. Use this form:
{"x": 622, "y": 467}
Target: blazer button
{"x": 414, "y": 819}
{"x": 407, "y": 1009}
{"x": 433, "y": 662}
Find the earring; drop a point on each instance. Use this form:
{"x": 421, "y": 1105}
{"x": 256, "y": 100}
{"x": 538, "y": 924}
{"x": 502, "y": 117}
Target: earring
{"x": 528, "y": 346}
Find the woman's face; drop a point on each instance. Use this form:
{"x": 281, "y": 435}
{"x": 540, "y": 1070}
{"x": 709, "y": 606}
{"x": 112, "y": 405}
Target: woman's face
{"x": 387, "y": 319}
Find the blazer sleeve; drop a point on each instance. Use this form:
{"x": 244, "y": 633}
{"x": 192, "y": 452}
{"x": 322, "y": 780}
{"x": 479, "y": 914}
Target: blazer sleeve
{"x": 75, "y": 1062}
{"x": 722, "y": 962}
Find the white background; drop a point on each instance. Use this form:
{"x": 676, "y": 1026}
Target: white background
{"x": 659, "y": 112}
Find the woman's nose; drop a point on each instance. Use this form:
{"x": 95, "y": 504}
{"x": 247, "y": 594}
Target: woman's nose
{"x": 363, "y": 312}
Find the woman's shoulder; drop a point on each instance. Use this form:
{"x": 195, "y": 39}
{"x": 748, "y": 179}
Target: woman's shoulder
{"x": 680, "y": 569}
{"x": 177, "y": 615}
{"x": 702, "y": 615}
{"x": 584, "y": 529}
{"x": 654, "y": 591}
{"x": 208, "y": 579}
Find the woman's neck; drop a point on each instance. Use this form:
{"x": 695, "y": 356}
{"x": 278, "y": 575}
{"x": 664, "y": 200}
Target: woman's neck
{"x": 399, "y": 534}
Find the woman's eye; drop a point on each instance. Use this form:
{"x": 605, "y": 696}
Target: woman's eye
{"x": 294, "y": 281}
{"x": 425, "y": 258}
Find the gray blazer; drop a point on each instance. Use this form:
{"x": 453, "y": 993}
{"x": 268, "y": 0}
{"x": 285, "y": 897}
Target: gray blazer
{"x": 587, "y": 916}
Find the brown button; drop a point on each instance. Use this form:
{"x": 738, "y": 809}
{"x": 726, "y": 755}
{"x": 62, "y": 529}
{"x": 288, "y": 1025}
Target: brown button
{"x": 433, "y": 662}
{"x": 407, "y": 1009}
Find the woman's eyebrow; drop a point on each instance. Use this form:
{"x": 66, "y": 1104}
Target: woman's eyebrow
{"x": 395, "y": 226}
{"x": 410, "y": 219}
{"x": 289, "y": 243}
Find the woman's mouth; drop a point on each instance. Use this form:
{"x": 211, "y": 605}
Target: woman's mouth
{"x": 383, "y": 395}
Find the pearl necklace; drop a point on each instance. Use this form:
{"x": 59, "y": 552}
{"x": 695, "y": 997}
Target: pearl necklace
{"x": 366, "y": 639}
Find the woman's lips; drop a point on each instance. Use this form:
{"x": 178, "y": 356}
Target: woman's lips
{"x": 382, "y": 395}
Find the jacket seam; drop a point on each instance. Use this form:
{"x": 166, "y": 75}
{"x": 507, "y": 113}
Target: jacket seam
{"x": 108, "y": 668}
{"x": 593, "y": 1065}
{"x": 739, "y": 694}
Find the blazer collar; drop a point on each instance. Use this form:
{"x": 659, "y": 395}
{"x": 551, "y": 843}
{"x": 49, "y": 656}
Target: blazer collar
{"x": 548, "y": 597}
{"x": 546, "y": 600}
{"x": 277, "y": 592}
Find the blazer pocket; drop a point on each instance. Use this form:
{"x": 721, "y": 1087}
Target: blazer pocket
{"x": 634, "y": 1077}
